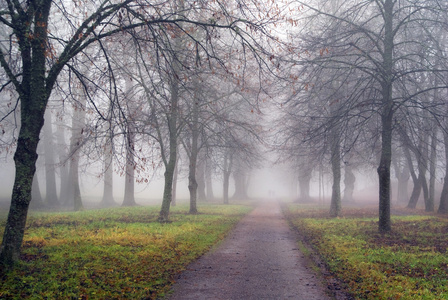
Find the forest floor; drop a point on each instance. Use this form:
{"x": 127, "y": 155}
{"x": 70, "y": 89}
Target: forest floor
{"x": 260, "y": 259}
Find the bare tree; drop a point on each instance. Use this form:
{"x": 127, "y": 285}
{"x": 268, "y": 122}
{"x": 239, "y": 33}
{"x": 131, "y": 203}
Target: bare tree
{"x": 44, "y": 55}
{"x": 378, "y": 44}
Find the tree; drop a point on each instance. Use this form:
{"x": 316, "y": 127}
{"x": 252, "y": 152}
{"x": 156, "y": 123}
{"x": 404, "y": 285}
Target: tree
{"x": 43, "y": 55}
{"x": 380, "y": 46}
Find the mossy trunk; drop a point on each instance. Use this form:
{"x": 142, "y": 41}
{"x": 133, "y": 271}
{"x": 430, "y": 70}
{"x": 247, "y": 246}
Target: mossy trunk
{"x": 167, "y": 191}
{"x": 387, "y": 112}
{"x": 34, "y": 96}
{"x": 170, "y": 165}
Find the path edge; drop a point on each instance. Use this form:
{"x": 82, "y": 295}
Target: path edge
{"x": 336, "y": 288}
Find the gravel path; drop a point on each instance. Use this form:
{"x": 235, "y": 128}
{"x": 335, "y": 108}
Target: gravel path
{"x": 258, "y": 260}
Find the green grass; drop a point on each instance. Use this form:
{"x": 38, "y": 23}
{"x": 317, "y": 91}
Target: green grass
{"x": 117, "y": 253}
{"x": 411, "y": 262}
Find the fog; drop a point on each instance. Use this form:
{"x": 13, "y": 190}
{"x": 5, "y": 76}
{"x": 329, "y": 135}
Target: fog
{"x": 271, "y": 182}
{"x": 334, "y": 103}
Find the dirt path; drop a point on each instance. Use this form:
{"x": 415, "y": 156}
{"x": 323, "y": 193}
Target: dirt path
{"x": 258, "y": 260}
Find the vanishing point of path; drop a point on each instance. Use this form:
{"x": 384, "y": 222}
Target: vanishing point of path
{"x": 258, "y": 260}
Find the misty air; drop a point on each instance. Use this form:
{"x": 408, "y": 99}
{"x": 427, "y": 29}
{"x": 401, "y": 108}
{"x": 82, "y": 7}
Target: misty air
{"x": 223, "y": 149}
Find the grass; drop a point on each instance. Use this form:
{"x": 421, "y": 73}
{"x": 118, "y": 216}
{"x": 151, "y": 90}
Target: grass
{"x": 411, "y": 262}
{"x": 117, "y": 253}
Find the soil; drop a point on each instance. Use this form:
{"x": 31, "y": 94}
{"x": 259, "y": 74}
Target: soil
{"x": 260, "y": 259}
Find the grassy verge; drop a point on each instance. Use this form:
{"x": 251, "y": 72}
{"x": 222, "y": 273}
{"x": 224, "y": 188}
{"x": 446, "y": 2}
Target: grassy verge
{"x": 411, "y": 262}
{"x": 118, "y": 253}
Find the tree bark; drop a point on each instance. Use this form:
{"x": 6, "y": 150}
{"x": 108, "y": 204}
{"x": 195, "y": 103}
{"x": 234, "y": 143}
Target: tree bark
{"x": 34, "y": 95}
{"x": 335, "y": 206}
{"x": 384, "y": 224}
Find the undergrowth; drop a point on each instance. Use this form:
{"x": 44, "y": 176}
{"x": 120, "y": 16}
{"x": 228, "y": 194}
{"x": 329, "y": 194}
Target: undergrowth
{"x": 410, "y": 262}
{"x": 117, "y": 253}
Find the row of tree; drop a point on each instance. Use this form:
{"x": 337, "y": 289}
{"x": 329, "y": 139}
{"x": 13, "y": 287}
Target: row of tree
{"x": 370, "y": 88}
{"x": 133, "y": 75}
{"x": 139, "y": 80}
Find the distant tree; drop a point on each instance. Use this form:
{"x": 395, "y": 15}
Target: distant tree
{"x": 349, "y": 182}
{"x": 50, "y": 166}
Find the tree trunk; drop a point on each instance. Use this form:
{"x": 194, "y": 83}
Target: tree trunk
{"x": 175, "y": 177}
{"x": 384, "y": 169}
{"x": 432, "y": 170}
{"x": 226, "y": 182}
{"x": 420, "y": 183}
{"x": 50, "y": 172}
{"x": 34, "y": 96}
{"x": 108, "y": 194}
{"x": 74, "y": 179}
{"x": 335, "y": 206}
{"x": 129, "y": 195}
{"x": 63, "y": 164}
{"x": 200, "y": 178}
{"x": 36, "y": 196}
{"x": 304, "y": 186}
{"x": 227, "y": 171}
{"x": 443, "y": 205}
{"x": 349, "y": 183}
{"x": 384, "y": 224}
{"x": 402, "y": 174}
{"x": 415, "y": 195}
{"x": 76, "y": 142}
{"x": 192, "y": 184}
{"x": 171, "y": 163}
{"x": 239, "y": 176}
{"x": 168, "y": 188}
{"x": 416, "y": 181}
{"x": 208, "y": 180}
{"x": 194, "y": 151}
